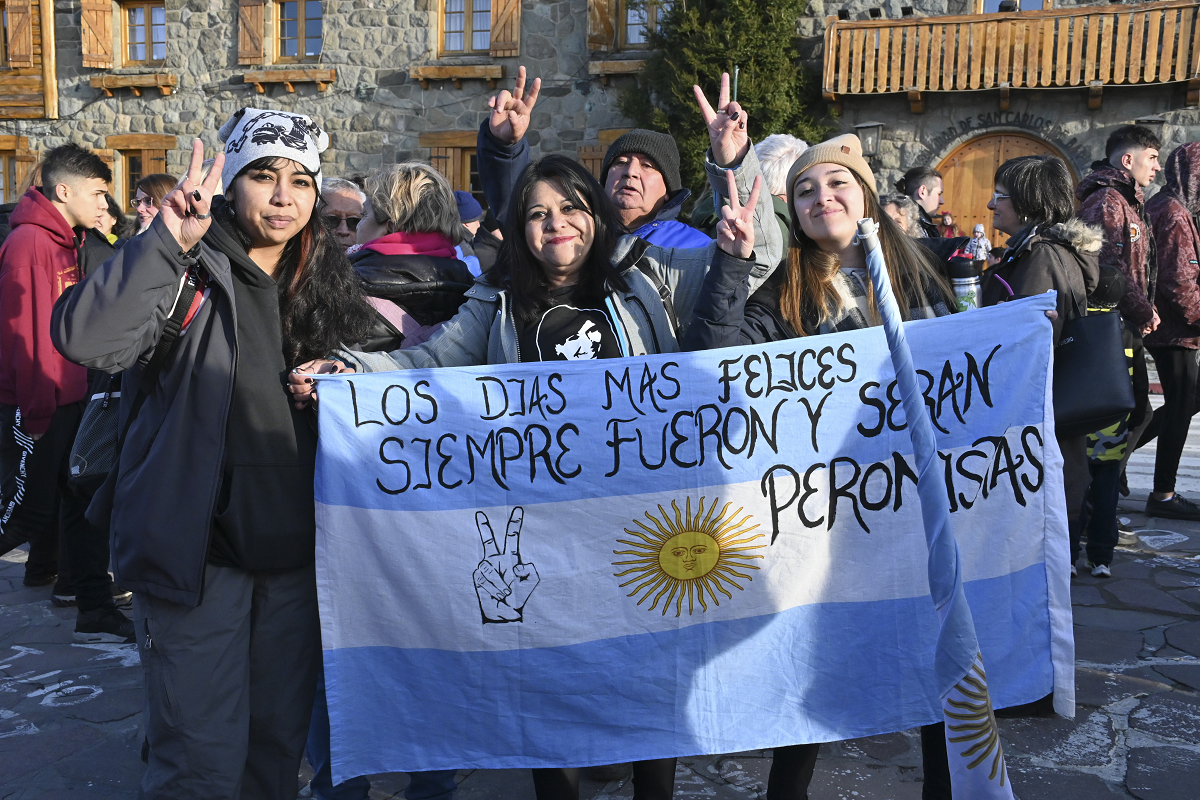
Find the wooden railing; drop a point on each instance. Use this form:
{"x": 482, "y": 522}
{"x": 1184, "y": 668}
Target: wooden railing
{"x": 1090, "y": 47}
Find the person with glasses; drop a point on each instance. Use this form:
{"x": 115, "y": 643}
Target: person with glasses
{"x": 341, "y": 209}
{"x": 148, "y": 194}
{"x": 1049, "y": 248}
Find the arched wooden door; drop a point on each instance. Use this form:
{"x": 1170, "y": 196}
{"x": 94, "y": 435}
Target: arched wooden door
{"x": 969, "y": 173}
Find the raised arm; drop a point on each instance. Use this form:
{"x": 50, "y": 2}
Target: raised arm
{"x": 501, "y": 147}
{"x": 730, "y": 149}
{"x": 118, "y": 312}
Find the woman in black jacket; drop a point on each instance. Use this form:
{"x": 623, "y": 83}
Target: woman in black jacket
{"x": 1048, "y": 248}
{"x": 405, "y": 255}
{"x": 821, "y": 287}
{"x": 211, "y": 506}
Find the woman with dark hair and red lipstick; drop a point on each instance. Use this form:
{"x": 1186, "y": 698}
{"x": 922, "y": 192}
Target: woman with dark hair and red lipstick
{"x": 211, "y": 504}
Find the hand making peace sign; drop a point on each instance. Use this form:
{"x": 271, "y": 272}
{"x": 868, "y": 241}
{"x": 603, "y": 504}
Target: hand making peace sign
{"x": 728, "y": 129}
{"x": 510, "y": 112}
{"x": 187, "y": 210}
{"x": 502, "y": 582}
{"x": 735, "y": 230}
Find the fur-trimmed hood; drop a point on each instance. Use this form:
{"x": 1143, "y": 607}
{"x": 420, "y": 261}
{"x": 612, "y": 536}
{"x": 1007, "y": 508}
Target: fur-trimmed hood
{"x": 1076, "y": 234}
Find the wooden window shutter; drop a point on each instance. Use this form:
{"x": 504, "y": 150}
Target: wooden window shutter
{"x": 250, "y": 31}
{"x": 602, "y": 25}
{"x": 96, "y": 19}
{"x": 20, "y": 33}
{"x": 506, "y": 28}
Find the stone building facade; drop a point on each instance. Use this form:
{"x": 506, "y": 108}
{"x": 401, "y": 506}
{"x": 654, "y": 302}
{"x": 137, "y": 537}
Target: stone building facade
{"x": 1070, "y": 76}
{"x": 375, "y": 103}
{"x": 409, "y": 79}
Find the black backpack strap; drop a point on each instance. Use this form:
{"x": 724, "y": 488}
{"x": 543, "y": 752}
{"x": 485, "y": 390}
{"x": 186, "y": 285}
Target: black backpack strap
{"x": 634, "y": 259}
{"x": 166, "y": 343}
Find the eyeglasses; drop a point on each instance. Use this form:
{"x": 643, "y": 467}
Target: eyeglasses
{"x": 333, "y": 223}
{"x": 997, "y": 196}
{"x": 142, "y": 201}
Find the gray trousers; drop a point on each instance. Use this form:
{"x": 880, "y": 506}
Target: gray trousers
{"x": 230, "y": 685}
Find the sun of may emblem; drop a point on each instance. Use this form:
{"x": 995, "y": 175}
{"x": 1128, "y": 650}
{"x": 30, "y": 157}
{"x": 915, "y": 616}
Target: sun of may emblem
{"x": 688, "y": 556}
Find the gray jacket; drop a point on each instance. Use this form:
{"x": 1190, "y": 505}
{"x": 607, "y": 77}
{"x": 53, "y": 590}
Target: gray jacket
{"x": 160, "y": 507}
{"x": 485, "y": 331}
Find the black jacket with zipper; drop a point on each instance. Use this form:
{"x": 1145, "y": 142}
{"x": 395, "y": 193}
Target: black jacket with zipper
{"x": 161, "y": 503}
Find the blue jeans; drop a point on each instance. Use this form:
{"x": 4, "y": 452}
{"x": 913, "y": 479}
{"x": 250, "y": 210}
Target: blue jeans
{"x": 435, "y": 785}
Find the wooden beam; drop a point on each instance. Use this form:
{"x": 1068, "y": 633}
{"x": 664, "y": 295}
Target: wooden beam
{"x": 1095, "y": 94}
{"x": 323, "y": 78}
{"x": 14, "y": 142}
{"x": 606, "y": 69}
{"x": 448, "y": 139}
{"x": 165, "y": 82}
{"x": 916, "y": 103}
{"x": 49, "y": 60}
{"x": 486, "y": 72}
{"x": 141, "y": 141}
{"x": 1193, "y": 92}
{"x": 1005, "y": 91}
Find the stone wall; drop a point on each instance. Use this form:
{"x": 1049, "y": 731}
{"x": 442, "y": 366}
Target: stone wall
{"x": 374, "y": 113}
{"x": 1061, "y": 117}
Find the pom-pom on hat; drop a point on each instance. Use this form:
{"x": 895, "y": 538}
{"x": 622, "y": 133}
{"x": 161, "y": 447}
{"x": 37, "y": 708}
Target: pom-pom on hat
{"x": 255, "y": 133}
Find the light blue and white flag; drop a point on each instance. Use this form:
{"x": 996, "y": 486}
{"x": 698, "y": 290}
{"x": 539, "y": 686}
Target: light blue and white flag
{"x": 576, "y": 563}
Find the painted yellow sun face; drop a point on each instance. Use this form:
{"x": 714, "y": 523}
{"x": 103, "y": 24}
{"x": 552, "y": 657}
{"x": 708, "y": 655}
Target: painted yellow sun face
{"x": 690, "y": 554}
{"x": 693, "y": 556}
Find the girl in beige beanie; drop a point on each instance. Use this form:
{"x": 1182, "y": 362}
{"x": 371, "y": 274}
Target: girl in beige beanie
{"x": 822, "y": 285}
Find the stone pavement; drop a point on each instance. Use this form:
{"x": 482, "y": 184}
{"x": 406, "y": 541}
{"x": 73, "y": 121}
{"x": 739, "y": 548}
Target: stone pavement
{"x": 70, "y": 714}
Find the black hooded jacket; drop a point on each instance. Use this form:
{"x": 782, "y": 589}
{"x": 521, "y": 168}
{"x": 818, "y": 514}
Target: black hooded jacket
{"x": 428, "y": 288}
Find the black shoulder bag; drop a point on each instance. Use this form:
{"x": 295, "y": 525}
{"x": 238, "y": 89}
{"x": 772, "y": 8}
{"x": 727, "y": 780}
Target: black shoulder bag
{"x": 97, "y": 448}
{"x": 1092, "y": 386}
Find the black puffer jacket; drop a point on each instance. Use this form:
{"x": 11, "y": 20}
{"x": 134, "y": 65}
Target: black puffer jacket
{"x": 726, "y": 314}
{"x": 1063, "y": 257}
{"x": 427, "y": 288}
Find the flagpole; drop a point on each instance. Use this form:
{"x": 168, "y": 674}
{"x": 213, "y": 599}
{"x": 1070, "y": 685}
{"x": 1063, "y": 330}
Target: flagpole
{"x": 957, "y": 664}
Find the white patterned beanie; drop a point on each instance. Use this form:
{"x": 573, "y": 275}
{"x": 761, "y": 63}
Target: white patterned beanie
{"x": 255, "y": 133}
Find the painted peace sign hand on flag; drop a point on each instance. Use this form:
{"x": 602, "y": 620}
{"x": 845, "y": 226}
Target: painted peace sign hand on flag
{"x": 502, "y": 582}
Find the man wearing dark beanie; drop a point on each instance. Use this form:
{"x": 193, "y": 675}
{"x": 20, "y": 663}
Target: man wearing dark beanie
{"x": 640, "y": 174}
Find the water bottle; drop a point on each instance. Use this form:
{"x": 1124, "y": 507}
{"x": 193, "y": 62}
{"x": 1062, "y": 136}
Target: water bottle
{"x": 965, "y": 276}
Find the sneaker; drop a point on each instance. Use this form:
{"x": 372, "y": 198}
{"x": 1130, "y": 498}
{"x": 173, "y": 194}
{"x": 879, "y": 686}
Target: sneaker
{"x": 1125, "y": 533}
{"x": 66, "y": 597}
{"x": 1074, "y": 571}
{"x": 104, "y": 625}
{"x": 1178, "y": 507}
{"x": 1098, "y": 570}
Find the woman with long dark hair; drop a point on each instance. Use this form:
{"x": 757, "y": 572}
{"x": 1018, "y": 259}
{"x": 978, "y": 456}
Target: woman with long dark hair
{"x": 822, "y": 287}
{"x": 212, "y": 495}
{"x": 565, "y": 288}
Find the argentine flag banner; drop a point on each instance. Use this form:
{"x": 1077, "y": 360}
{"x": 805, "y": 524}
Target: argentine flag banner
{"x": 590, "y": 562}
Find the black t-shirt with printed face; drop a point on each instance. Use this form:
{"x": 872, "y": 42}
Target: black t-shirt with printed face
{"x": 570, "y": 329}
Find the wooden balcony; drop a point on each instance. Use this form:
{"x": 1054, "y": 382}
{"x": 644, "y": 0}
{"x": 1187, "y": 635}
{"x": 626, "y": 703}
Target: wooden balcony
{"x": 1087, "y": 47}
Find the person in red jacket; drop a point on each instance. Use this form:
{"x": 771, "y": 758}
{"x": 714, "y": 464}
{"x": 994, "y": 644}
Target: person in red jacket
{"x": 1111, "y": 198}
{"x": 1174, "y": 345}
{"x": 42, "y": 395}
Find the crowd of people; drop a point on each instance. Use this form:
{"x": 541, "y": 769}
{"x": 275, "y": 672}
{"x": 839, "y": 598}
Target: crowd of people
{"x": 255, "y": 271}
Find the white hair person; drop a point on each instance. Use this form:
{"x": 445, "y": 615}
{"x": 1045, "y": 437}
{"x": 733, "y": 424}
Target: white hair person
{"x": 776, "y": 154}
